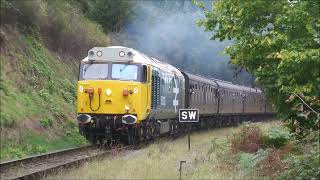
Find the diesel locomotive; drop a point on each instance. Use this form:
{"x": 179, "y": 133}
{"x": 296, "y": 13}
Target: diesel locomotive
{"x": 127, "y": 96}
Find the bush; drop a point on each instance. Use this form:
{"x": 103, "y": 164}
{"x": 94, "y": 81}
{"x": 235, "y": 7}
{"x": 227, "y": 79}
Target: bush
{"x": 46, "y": 122}
{"x": 248, "y": 139}
{"x": 306, "y": 165}
{"x": 273, "y": 163}
{"x": 110, "y": 14}
{"x": 7, "y": 120}
{"x": 303, "y": 167}
{"x": 61, "y": 24}
{"x": 249, "y": 161}
{"x": 276, "y": 137}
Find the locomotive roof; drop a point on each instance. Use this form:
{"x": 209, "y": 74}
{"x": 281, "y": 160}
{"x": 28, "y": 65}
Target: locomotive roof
{"x": 129, "y": 55}
{"x": 201, "y": 79}
{"x": 125, "y": 54}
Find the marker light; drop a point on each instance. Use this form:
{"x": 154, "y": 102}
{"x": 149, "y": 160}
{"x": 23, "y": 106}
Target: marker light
{"x": 125, "y": 92}
{"x": 99, "y": 53}
{"x": 121, "y": 53}
{"x": 90, "y": 91}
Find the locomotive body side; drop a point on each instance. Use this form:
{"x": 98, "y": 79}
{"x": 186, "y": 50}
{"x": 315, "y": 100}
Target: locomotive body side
{"x": 202, "y": 94}
{"x": 122, "y": 92}
{"x": 168, "y": 91}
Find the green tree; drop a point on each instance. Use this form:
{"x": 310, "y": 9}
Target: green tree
{"x": 279, "y": 43}
{"x": 110, "y": 14}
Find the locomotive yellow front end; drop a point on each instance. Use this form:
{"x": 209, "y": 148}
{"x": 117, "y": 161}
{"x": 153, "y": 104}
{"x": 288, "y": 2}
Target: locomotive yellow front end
{"x": 113, "y": 93}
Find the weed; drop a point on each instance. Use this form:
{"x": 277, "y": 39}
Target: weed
{"x": 248, "y": 139}
{"x": 249, "y": 161}
{"x": 306, "y": 166}
{"x": 213, "y": 146}
{"x": 7, "y": 120}
{"x": 46, "y": 122}
{"x": 273, "y": 163}
{"x": 276, "y": 137}
{"x": 36, "y": 77}
{"x": 44, "y": 94}
{"x": 4, "y": 87}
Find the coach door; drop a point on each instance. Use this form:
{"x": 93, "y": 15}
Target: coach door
{"x": 243, "y": 102}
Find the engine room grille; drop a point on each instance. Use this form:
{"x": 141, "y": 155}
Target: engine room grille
{"x": 155, "y": 92}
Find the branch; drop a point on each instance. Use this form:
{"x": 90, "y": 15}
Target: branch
{"x": 314, "y": 111}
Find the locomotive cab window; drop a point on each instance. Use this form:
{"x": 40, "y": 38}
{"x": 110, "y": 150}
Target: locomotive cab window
{"x": 94, "y": 71}
{"x": 124, "y": 72}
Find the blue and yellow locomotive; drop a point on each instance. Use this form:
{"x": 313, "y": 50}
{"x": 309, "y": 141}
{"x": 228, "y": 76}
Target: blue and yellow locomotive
{"x": 128, "y": 96}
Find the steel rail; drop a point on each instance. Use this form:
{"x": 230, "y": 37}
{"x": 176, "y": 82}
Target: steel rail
{"x": 38, "y": 166}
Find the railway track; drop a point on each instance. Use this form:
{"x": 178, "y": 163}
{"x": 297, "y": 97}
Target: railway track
{"x": 38, "y": 166}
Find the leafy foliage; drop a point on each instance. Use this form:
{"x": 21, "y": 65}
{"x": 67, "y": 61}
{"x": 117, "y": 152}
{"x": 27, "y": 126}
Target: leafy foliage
{"x": 249, "y": 161}
{"x": 306, "y": 164}
{"x": 276, "y": 137}
{"x": 63, "y": 27}
{"x": 279, "y": 43}
{"x": 248, "y": 139}
{"x": 37, "y": 92}
{"x": 110, "y": 14}
{"x": 46, "y": 122}
{"x": 303, "y": 167}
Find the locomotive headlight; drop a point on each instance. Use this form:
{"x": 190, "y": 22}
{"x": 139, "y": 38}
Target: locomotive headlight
{"x": 108, "y": 92}
{"x": 91, "y": 53}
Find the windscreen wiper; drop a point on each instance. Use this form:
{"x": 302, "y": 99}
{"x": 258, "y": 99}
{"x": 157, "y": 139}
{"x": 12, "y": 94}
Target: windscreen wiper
{"x": 123, "y": 68}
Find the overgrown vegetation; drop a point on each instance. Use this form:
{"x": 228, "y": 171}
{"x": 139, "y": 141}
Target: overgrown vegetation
{"x": 213, "y": 155}
{"x": 279, "y": 43}
{"x": 111, "y": 15}
{"x": 279, "y": 153}
{"x": 35, "y": 143}
{"x": 36, "y": 101}
{"x": 61, "y": 25}
{"x": 41, "y": 45}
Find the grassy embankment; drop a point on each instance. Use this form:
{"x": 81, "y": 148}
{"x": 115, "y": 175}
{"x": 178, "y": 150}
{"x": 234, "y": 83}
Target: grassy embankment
{"x": 263, "y": 150}
{"x": 40, "y": 51}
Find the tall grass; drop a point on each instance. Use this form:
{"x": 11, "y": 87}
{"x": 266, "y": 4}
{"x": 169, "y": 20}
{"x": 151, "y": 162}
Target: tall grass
{"x": 210, "y": 157}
